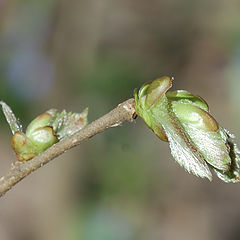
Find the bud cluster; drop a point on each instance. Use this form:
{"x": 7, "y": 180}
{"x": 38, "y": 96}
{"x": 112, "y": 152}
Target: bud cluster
{"x": 45, "y": 130}
{"x": 197, "y": 142}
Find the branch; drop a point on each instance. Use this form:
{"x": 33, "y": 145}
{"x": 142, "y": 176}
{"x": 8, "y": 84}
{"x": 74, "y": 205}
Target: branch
{"x": 19, "y": 170}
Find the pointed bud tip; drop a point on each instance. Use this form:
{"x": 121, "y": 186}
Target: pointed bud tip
{"x": 157, "y": 89}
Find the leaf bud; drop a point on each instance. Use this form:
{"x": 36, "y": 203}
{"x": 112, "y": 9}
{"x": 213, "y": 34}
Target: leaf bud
{"x": 196, "y": 140}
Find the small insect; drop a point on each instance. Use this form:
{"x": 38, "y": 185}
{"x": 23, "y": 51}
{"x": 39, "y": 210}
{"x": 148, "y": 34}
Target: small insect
{"x": 197, "y": 142}
{"x": 45, "y": 130}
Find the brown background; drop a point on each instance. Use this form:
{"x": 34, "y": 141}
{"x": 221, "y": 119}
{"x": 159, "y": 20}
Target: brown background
{"x": 122, "y": 184}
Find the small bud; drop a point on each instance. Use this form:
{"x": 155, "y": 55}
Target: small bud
{"x": 45, "y": 130}
{"x": 23, "y": 147}
{"x": 148, "y": 95}
{"x": 157, "y": 89}
{"x": 42, "y": 120}
{"x": 183, "y": 96}
{"x": 196, "y": 140}
{"x": 43, "y": 138}
{"x": 195, "y": 116}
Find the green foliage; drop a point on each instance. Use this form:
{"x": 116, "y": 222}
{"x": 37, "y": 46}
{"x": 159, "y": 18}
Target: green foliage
{"x": 197, "y": 142}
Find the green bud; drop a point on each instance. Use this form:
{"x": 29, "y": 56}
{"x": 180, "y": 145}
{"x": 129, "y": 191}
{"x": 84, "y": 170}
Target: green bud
{"x": 183, "y": 96}
{"x": 43, "y": 138}
{"x": 157, "y": 89}
{"x": 195, "y": 116}
{"x": 45, "y": 130}
{"x": 149, "y": 94}
{"x": 42, "y": 120}
{"x": 196, "y": 140}
{"x": 23, "y": 146}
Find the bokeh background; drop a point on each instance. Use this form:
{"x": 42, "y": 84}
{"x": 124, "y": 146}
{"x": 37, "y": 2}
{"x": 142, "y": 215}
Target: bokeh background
{"x": 122, "y": 184}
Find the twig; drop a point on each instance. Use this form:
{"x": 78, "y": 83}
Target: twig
{"x": 19, "y": 170}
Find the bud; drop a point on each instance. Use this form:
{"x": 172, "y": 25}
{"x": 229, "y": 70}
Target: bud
{"x": 42, "y": 120}
{"x": 43, "y": 138}
{"x": 196, "y": 140}
{"x": 23, "y": 146}
{"x": 45, "y": 130}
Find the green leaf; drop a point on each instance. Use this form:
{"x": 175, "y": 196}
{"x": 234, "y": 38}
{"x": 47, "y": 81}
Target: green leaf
{"x": 182, "y": 148}
{"x": 66, "y": 124}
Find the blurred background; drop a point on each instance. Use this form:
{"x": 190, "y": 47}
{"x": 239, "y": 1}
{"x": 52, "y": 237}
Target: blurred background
{"x": 122, "y": 184}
